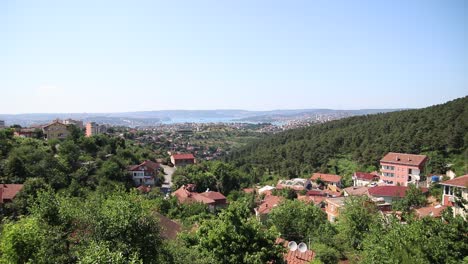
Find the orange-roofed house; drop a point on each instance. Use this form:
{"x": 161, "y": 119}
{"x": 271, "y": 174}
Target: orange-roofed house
{"x": 9, "y": 191}
{"x": 454, "y": 190}
{"x": 180, "y": 160}
{"x": 187, "y": 194}
{"x": 402, "y": 168}
{"x": 328, "y": 179}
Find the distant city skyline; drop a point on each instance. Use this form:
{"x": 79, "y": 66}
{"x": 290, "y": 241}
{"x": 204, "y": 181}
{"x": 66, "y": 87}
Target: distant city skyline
{"x": 121, "y": 56}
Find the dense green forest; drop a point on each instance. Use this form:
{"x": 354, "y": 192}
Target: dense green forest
{"x": 341, "y": 146}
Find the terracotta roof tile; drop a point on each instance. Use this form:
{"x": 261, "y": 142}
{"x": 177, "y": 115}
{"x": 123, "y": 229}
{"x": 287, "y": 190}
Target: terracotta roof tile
{"x": 268, "y": 203}
{"x": 326, "y": 177}
{"x": 403, "y": 158}
{"x": 434, "y": 211}
{"x": 9, "y": 191}
{"x": 356, "y": 190}
{"x": 391, "y": 191}
{"x": 183, "y": 156}
{"x": 365, "y": 176}
{"x": 461, "y": 181}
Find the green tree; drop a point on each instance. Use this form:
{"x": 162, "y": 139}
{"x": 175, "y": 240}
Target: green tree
{"x": 236, "y": 237}
{"x": 298, "y": 221}
{"x": 355, "y": 220}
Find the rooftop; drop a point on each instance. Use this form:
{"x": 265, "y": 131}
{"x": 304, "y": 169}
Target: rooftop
{"x": 461, "y": 181}
{"x": 183, "y": 156}
{"x": 404, "y": 159}
{"x": 9, "y": 191}
{"x": 326, "y": 177}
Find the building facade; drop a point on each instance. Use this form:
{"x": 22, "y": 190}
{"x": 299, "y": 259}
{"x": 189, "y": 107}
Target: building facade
{"x": 2, "y": 124}
{"x": 182, "y": 159}
{"x": 455, "y": 190}
{"x": 55, "y": 130}
{"x": 92, "y": 129}
{"x": 402, "y": 168}
{"x": 144, "y": 173}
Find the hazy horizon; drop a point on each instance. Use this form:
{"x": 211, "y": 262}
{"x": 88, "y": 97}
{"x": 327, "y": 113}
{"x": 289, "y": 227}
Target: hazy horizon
{"x": 112, "y": 56}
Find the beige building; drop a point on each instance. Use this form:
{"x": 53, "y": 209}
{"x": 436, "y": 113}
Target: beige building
{"x": 55, "y": 130}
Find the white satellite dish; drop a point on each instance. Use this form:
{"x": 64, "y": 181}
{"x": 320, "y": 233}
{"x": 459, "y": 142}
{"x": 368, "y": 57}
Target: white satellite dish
{"x": 302, "y": 247}
{"x": 292, "y": 246}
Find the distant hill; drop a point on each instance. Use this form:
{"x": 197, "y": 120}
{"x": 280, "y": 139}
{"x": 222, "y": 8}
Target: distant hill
{"x": 440, "y": 130}
{"x": 198, "y": 116}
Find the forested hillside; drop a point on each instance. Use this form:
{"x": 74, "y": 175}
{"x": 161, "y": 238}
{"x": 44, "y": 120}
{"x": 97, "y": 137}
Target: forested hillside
{"x": 439, "y": 131}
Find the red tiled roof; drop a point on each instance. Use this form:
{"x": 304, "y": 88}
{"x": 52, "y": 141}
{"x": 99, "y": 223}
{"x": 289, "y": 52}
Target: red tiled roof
{"x": 311, "y": 199}
{"x": 391, "y": 191}
{"x": 296, "y": 257}
{"x": 403, "y": 158}
{"x": 185, "y": 195}
{"x": 326, "y": 177}
{"x": 356, "y": 190}
{"x": 268, "y": 203}
{"x": 148, "y": 163}
{"x": 214, "y": 195}
{"x": 461, "y": 181}
{"x": 434, "y": 211}
{"x": 9, "y": 191}
{"x": 183, "y": 156}
{"x": 365, "y": 176}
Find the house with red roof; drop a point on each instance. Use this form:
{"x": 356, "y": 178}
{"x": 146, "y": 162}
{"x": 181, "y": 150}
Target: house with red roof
{"x": 455, "y": 190}
{"x": 9, "y": 191}
{"x": 266, "y": 205}
{"x": 187, "y": 194}
{"x": 389, "y": 193}
{"x": 180, "y": 160}
{"x": 432, "y": 211}
{"x": 328, "y": 179}
{"x": 364, "y": 178}
{"x": 144, "y": 173}
{"x": 402, "y": 168}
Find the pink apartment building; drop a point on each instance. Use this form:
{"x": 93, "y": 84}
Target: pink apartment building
{"x": 401, "y": 168}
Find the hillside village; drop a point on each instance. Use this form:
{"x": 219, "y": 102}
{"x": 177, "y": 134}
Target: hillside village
{"x": 190, "y": 193}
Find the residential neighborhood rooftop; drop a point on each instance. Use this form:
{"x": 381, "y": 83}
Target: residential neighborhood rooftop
{"x": 326, "y": 177}
{"x": 183, "y": 156}
{"x": 9, "y": 191}
{"x": 403, "y": 158}
{"x": 461, "y": 181}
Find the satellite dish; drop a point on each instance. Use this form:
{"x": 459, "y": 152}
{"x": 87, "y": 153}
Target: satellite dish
{"x": 302, "y": 247}
{"x": 292, "y": 246}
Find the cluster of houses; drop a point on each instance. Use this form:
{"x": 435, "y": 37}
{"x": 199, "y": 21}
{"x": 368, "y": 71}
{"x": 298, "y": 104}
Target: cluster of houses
{"x": 59, "y": 129}
{"x": 397, "y": 171}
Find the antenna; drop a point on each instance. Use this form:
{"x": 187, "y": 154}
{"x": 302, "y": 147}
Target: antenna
{"x": 292, "y": 245}
{"x": 302, "y": 247}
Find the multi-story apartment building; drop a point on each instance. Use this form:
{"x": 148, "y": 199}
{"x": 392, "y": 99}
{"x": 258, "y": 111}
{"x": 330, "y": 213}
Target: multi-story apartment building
{"x": 2, "y": 124}
{"x": 402, "y": 168}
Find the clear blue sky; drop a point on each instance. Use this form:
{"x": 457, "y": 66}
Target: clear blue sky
{"x": 115, "y": 56}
